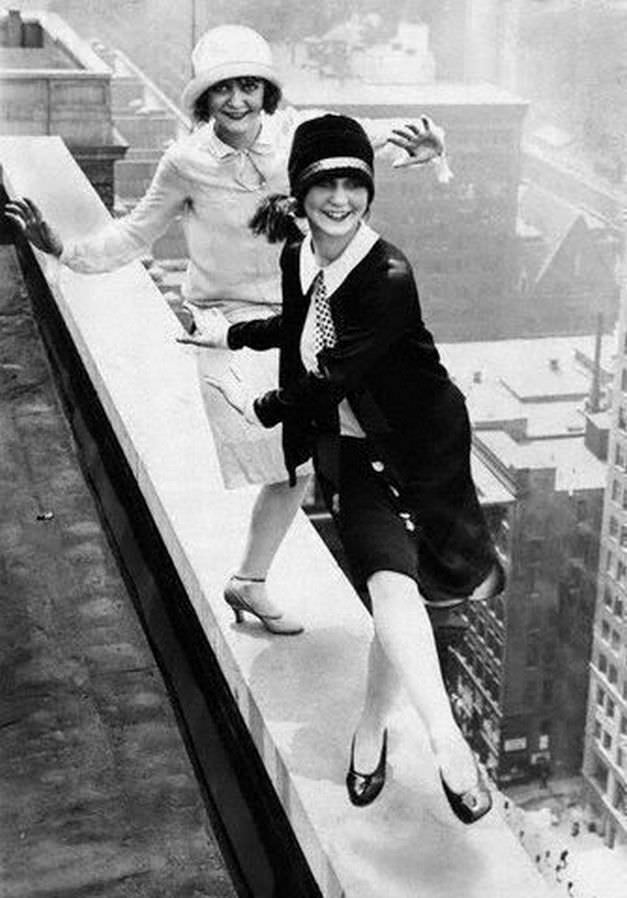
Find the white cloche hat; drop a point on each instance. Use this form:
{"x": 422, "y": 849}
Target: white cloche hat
{"x": 228, "y": 51}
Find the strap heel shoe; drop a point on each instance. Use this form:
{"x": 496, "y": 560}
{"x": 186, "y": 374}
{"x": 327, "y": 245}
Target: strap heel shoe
{"x": 239, "y": 596}
{"x": 363, "y": 788}
{"x": 471, "y": 805}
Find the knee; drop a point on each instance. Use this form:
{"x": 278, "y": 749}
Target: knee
{"x": 389, "y": 585}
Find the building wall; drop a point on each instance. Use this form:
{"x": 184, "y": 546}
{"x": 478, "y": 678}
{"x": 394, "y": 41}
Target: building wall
{"x": 544, "y": 636}
{"x": 605, "y": 758}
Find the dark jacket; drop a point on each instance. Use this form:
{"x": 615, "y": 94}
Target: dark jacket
{"x": 384, "y": 362}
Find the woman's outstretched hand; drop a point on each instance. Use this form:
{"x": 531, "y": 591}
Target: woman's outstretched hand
{"x": 26, "y": 215}
{"x": 234, "y": 392}
{"x": 210, "y": 328}
{"x": 423, "y": 142}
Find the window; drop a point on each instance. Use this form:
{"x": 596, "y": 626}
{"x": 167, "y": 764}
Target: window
{"x": 619, "y": 456}
{"x": 605, "y": 630}
{"x": 613, "y": 527}
{"x": 615, "y": 640}
{"x": 623, "y": 380}
{"x": 609, "y": 559}
{"x": 612, "y": 674}
{"x": 621, "y": 570}
{"x": 602, "y": 663}
{"x": 597, "y": 729}
{"x": 615, "y": 490}
{"x": 618, "y": 608}
{"x": 622, "y": 419}
{"x": 623, "y": 536}
{"x": 606, "y": 741}
{"x": 607, "y": 597}
{"x": 600, "y": 696}
{"x": 547, "y": 692}
{"x": 610, "y": 708}
{"x": 623, "y": 725}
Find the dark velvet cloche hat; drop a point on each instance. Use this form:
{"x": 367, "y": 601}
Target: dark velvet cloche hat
{"x": 329, "y": 144}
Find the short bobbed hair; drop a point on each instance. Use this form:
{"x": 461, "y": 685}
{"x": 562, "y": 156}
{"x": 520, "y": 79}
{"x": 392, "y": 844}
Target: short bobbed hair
{"x": 271, "y": 99}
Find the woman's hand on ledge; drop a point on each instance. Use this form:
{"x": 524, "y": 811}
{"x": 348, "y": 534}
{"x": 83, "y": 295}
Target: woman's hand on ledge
{"x": 211, "y": 328}
{"x": 235, "y": 393}
{"x": 26, "y": 215}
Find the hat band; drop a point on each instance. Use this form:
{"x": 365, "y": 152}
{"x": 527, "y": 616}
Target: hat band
{"x": 334, "y": 163}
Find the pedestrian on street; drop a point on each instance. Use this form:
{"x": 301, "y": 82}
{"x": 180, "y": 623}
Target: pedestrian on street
{"x": 214, "y": 178}
{"x": 363, "y": 391}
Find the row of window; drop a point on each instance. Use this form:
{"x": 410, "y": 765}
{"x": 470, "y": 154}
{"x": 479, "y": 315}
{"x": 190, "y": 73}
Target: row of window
{"x": 618, "y": 494}
{"x": 492, "y": 640}
{"x": 613, "y": 603}
{"x": 606, "y": 741}
{"x": 616, "y": 568}
{"x": 610, "y": 671}
{"x": 618, "y": 531}
{"x": 609, "y": 634}
{"x": 481, "y": 670}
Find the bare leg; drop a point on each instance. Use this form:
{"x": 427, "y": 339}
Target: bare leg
{"x": 382, "y": 688}
{"x": 405, "y": 634}
{"x": 273, "y": 512}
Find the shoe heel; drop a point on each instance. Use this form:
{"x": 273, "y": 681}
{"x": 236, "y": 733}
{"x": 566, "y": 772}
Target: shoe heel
{"x": 239, "y": 615}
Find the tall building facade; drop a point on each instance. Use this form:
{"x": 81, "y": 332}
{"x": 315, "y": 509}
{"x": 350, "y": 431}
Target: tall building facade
{"x": 519, "y": 676}
{"x": 605, "y": 757}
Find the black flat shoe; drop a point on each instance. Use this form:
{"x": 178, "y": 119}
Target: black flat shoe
{"x": 471, "y": 805}
{"x": 363, "y": 788}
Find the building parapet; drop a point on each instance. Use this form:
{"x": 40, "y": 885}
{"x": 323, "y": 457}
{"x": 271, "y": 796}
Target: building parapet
{"x": 295, "y": 697}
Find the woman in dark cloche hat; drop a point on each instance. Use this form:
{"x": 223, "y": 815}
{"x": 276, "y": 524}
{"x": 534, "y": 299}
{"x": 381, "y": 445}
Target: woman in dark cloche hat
{"x": 362, "y": 391}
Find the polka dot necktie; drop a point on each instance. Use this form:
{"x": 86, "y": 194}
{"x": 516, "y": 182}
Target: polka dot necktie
{"x": 325, "y": 329}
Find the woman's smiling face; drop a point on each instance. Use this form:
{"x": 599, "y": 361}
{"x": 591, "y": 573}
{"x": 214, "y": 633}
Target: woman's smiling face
{"x": 235, "y": 105}
{"x": 335, "y": 205}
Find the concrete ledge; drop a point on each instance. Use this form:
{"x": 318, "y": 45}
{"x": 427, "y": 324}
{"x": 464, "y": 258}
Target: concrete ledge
{"x": 298, "y": 697}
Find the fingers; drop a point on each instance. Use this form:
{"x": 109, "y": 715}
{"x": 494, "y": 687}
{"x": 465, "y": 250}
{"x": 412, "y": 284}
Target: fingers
{"x": 18, "y": 212}
{"x": 34, "y": 210}
{"x": 25, "y": 209}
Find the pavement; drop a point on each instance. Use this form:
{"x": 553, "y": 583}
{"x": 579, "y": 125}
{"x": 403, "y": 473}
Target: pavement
{"x": 97, "y": 794}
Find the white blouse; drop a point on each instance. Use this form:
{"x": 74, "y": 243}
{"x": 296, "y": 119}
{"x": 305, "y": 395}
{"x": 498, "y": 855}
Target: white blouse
{"x": 335, "y": 273}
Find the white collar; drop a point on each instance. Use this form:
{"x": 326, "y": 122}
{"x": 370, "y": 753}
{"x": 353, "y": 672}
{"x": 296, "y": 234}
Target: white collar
{"x": 336, "y": 272}
{"x": 262, "y": 144}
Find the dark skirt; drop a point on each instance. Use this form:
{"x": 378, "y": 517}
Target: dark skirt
{"x": 408, "y": 504}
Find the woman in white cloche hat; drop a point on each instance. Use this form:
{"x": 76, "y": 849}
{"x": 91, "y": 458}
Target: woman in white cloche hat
{"x": 214, "y": 178}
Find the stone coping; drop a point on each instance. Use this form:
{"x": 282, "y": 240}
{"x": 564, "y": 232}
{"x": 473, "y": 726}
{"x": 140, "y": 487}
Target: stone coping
{"x": 59, "y": 31}
{"x": 298, "y": 696}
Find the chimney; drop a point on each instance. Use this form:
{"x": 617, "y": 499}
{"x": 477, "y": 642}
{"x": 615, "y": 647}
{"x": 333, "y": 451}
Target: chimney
{"x": 14, "y": 28}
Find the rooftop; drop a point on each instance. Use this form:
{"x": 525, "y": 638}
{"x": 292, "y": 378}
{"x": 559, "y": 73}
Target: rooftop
{"x": 576, "y": 468}
{"x": 304, "y": 89}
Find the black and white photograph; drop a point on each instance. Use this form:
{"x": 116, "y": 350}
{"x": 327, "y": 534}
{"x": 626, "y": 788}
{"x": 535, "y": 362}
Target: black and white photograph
{"x": 313, "y": 449}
